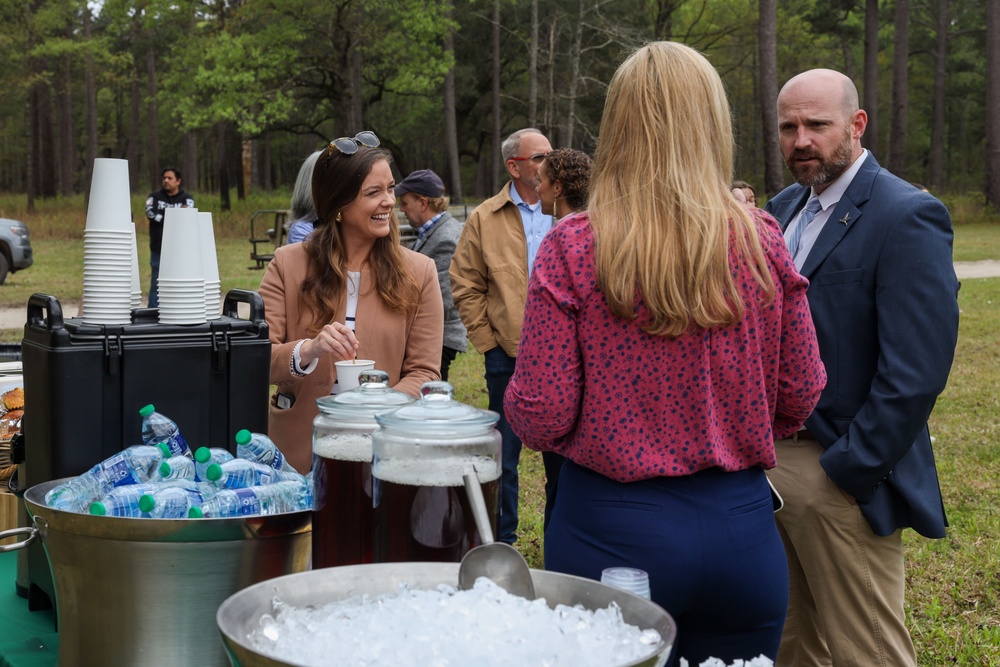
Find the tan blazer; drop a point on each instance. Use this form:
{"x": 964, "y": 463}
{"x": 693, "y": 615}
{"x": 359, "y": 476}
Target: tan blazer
{"x": 407, "y": 348}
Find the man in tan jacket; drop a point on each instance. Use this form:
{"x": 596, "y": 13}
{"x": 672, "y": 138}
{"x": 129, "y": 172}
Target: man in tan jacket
{"x": 489, "y": 283}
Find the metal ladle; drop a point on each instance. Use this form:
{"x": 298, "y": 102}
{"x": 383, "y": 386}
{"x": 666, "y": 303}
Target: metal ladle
{"x": 497, "y": 561}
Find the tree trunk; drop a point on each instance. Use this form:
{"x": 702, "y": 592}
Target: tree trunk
{"x": 992, "y": 189}
{"x": 220, "y": 138}
{"x": 574, "y": 78}
{"x": 497, "y": 158}
{"x": 132, "y": 143}
{"x": 357, "y": 107}
{"x": 153, "y": 153}
{"x": 67, "y": 136}
{"x": 189, "y": 160}
{"x": 533, "y": 68}
{"x": 247, "y": 161}
{"x": 870, "y": 139}
{"x": 31, "y": 158}
{"x": 900, "y": 84}
{"x": 774, "y": 179}
{"x": 550, "y": 98}
{"x": 90, "y": 100}
{"x": 451, "y": 123}
{"x": 46, "y": 143}
{"x": 937, "y": 121}
{"x": 264, "y": 164}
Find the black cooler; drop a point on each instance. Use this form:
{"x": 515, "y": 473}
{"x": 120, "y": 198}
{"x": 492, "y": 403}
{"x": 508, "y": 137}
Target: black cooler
{"x": 84, "y": 385}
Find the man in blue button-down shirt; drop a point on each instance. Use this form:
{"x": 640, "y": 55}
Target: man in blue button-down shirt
{"x": 489, "y": 282}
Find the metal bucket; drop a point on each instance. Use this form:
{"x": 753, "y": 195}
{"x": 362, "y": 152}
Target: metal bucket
{"x": 240, "y": 614}
{"x": 146, "y": 591}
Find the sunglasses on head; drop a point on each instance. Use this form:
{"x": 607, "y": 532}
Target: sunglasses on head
{"x": 536, "y": 158}
{"x": 350, "y": 145}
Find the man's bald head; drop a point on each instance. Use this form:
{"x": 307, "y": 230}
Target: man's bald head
{"x": 820, "y": 126}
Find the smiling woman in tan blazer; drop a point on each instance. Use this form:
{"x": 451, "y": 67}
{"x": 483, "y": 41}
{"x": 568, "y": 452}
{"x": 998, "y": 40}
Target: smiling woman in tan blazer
{"x": 399, "y": 318}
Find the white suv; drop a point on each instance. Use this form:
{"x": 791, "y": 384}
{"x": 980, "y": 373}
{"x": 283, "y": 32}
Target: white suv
{"x": 15, "y": 247}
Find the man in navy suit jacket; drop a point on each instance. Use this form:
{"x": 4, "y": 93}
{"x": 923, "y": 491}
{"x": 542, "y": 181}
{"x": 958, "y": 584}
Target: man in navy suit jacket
{"x": 883, "y": 295}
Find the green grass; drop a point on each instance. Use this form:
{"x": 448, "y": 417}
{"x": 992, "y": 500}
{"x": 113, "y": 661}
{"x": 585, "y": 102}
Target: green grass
{"x": 953, "y": 585}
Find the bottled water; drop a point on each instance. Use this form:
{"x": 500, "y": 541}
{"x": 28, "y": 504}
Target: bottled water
{"x": 206, "y": 456}
{"x": 241, "y": 473}
{"x": 129, "y": 466}
{"x": 157, "y": 429}
{"x": 122, "y": 501}
{"x": 169, "y": 502}
{"x": 258, "y": 447}
{"x": 175, "y": 467}
{"x": 285, "y": 496}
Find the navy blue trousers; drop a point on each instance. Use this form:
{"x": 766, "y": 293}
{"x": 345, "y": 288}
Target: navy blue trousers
{"x": 499, "y": 367}
{"x": 708, "y": 541}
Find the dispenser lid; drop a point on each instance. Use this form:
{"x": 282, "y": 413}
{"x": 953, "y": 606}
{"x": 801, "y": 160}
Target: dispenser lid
{"x": 437, "y": 408}
{"x": 371, "y": 396}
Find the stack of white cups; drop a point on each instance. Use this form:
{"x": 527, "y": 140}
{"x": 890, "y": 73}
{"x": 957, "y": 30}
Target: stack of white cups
{"x": 136, "y": 296}
{"x": 210, "y": 267}
{"x": 110, "y": 265}
{"x": 181, "y": 284}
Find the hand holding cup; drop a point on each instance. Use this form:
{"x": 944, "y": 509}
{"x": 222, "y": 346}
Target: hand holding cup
{"x": 335, "y": 339}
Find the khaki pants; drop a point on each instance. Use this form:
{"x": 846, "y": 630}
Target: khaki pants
{"x": 846, "y": 583}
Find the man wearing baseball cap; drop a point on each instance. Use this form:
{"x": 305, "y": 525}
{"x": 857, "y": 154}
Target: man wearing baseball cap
{"x": 423, "y": 201}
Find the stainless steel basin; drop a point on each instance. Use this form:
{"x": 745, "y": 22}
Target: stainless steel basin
{"x": 240, "y": 614}
{"x": 145, "y": 591}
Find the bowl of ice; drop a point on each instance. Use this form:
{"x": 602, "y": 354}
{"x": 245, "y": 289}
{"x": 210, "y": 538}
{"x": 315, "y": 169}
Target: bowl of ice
{"x": 411, "y": 614}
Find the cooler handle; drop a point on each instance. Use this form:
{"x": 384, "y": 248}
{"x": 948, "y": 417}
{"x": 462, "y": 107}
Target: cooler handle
{"x": 237, "y": 296}
{"x": 37, "y": 303}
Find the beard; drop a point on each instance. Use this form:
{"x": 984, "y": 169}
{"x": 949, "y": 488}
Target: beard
{"x": 829, "y": 168}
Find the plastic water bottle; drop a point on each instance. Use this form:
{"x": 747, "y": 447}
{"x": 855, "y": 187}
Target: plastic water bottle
{"x": 260, "y": 448}
{"x": 157, "y": 429}
{"x": 122, "y": 501}
{"x": 176, "y": 467}
{"x": 206, "y": 456}
{"x": 286, "y": 496}
{"x": 241, "y": 473}
{"x": 169, "y": 502}
{"x": 129, "y": 466}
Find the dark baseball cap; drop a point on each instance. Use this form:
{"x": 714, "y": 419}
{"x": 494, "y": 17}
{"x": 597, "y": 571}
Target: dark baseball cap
{"x": 422, "y": 182}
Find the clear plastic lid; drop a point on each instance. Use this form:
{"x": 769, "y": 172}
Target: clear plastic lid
{"x": 370, "y": 398}
{"x": 437, "y": 411}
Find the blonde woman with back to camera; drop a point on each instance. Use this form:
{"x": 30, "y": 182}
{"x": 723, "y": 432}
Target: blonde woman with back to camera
{"x": 349, "y": 291}
{"x": 666, "y": 343}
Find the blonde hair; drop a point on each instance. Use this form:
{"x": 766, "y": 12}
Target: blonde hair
{"x": 663, "y": 218}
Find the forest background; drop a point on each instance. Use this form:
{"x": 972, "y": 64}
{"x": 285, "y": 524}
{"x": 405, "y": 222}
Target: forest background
{"x": 236, "y": 93}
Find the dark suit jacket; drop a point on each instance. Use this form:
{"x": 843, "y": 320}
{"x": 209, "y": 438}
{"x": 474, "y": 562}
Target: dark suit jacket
{"x": 883, "y": 296}
{"x": 440, "y": 245}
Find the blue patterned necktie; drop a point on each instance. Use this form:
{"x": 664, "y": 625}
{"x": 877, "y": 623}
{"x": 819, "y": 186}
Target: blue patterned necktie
{"x": 808, "y": 213}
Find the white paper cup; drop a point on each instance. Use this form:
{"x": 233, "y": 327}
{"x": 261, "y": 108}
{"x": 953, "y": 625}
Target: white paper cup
{"x": 209, "y": 260}
{"x": 136, "y": 287}
{"x": 180, "y": 254}
{"x": 349, "y": 370}
{"x": 110, "y": 206}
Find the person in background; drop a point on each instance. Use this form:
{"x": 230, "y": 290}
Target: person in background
{"x": 666, "y": 343}
{"x": 171, "y": 195}
{"x": 423, "y": 201}
{"x": 302, "y": 211}
{"x": 349, "y": 291}
{"x": 564, "y": 177}
{"x": 749, "y": 194}
{"x": 489, "y": 282}
{"x": 563, "y": 187}
{"x": 883, "y": 294}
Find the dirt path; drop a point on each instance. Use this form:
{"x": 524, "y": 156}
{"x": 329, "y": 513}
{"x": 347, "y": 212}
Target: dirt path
{"x": 14, "y": 317}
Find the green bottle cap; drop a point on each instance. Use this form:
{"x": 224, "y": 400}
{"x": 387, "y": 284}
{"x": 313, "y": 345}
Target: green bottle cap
{"x": 164, "y": 449}
{"x": 146, "y": 410}
{"x": 214, "y": 472}
{"x": 243, "y": 437}
{"x": 97, "y": 509}
{"x": 147, "y": 503}
{"x": 195, "y": 513}
{"x": 203, "y": 455}
{"x": 165, "y": 469}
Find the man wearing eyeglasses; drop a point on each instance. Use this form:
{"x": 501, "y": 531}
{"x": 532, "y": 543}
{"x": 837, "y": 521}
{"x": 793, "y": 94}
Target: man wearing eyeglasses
{"x": 489, "y": 282}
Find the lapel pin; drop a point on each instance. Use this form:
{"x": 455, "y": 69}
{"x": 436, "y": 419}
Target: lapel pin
{"x": 845, "y": 219}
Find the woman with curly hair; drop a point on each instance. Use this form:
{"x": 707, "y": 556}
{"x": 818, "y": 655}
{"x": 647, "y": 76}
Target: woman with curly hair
{"x": 565, "y": 181}
{"x": 349, "y": 291}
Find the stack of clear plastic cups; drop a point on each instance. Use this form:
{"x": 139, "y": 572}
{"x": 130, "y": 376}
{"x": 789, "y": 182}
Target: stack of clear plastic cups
{"x": 627, "y": 579}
